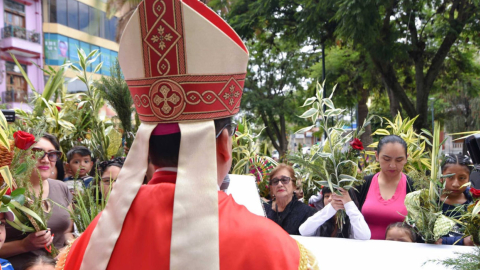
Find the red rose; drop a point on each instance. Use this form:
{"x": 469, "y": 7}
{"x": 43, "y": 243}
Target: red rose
{"x": 356, "y": 144}
{"x": 58, "y": 108}
{"x": 475, "y": 192}
{"x": 8, "y": 192}
{"x": 23, "y": 140}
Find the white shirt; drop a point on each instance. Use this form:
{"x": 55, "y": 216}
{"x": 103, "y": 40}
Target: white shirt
{"x": 359, "y": 228}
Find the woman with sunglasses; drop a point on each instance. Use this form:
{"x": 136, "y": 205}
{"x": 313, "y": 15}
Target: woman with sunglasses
{"x": 21, "y": 248}
{"x": 285, "y": 209}
{"x": 109, "y": 171}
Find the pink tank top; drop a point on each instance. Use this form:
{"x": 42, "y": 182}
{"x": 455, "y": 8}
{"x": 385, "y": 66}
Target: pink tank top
{"x": 379, "y": 213}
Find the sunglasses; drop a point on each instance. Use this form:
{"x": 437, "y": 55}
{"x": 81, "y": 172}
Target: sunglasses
{"x": 53, "y": 156}
{"x": 285, "y": 180}
{"x": 232, "y": 127}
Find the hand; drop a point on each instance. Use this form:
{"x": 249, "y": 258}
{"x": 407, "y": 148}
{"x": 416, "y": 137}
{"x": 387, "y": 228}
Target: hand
{"x": 38, "y": 240}
{"x": 439, "y": 241}
{"x": 345, "y": 197}
{"x": 467, "y": 241}
{"x": 337, "y": 204}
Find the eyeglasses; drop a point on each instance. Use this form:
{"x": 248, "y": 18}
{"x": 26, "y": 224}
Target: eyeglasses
{"x": 285, "y": 180}
{"x": 232, "y": 127}
{"x": 53, "y": 156}
{"x": 108, "y": 180}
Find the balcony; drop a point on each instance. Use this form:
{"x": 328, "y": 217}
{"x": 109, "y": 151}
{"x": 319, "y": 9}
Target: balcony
{"x": 18, "y": 32}
{"x": 17, "y": 96}
{"x": 20, "y": 41}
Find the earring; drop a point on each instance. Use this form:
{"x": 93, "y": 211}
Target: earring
{"x": 53, "y": 173}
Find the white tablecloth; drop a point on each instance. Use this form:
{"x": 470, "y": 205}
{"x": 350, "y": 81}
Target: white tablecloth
{"x": 339, "y": 254}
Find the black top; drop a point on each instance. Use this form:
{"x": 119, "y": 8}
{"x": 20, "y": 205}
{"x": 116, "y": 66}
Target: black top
{"x": 294, "y": 215}
{"x": 475, "y": 177}
{"x": 363, "y": 189}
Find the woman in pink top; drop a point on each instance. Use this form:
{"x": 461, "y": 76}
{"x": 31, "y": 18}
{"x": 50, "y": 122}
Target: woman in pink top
{"x": 382, "y": 196}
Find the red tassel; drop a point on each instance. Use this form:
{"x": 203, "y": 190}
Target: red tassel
{"x": 49, "y": 248}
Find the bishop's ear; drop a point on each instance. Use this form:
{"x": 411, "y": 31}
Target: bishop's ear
{"x": 224, "y": 145}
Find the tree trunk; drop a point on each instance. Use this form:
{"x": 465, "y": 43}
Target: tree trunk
{"x": 394, "y": 104}
{"x": 366, "y": 137}
{"x": 122, "y": 22}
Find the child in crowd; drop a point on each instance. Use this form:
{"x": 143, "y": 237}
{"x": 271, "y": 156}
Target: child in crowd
{"x": 41, "y": 263}
{"x": 4, "y": 264}
{"x": 456, "y": 194}
{"x": 299, "y": 190}
{"x": 79, "y": 164}
{"x": 401, "y": 232}
{"x": 323, "y": 223}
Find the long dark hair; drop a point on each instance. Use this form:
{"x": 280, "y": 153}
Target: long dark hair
{"x": 330, "y": 227}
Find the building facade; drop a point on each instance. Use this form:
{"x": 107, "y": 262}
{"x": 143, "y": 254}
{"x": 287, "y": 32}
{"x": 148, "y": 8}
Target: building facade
{"x": 21, "y": 36}
{"x": 69, "y": 25}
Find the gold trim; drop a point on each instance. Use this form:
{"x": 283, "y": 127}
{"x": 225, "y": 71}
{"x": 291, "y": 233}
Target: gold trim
{"x": 307, "y": 259}
{"x": 62, "y": 257}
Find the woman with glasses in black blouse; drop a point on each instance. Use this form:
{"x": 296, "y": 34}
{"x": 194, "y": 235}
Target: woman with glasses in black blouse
{"x": 284, "y": 208}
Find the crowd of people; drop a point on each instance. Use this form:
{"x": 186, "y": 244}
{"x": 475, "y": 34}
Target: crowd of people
{"x": 376, "y": 209}
{"x": 56, "y": 182}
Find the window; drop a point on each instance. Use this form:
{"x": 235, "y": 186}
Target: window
{"x": 103, "y": 20}
{"x": 112, "y": 28}
{"x": 73, "y": 14}
{"x": 14, "y": 6}
{"x": 83, "y": 17}
{"x": 62, "y": 12}
{"x": 14, "y": 14}
{"x": 94, "y": 26}
{"x": 16, "y": 84}
{"x": 52, "y": 10}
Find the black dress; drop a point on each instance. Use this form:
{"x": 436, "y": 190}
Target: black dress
{"x": 294, "y": 215}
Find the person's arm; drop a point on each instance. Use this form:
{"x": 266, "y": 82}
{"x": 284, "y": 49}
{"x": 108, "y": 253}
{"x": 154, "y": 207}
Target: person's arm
{"x": 33, "y": 241}
{"x": 309, "y": 227}
{"x": 360, "y": 229}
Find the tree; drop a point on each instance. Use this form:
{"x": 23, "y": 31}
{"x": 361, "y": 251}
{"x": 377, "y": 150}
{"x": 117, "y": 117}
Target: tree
{"x": 351, "y": 71}
{"x": 127, "y": 7}
{"x": 272, "y": 88}
{"x": 408, "y": 37}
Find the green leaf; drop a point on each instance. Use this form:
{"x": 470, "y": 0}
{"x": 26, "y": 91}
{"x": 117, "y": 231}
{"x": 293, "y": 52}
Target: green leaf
{"x": 20, "y": 198}
{"x": 309, "y": 113}
{"x": 21, "y": 168}
{"x": 305, "y": 129}
{"x": 29, "y": 212}
{"x": 309, "y": 101}
{"x": 329, "y": 103}
{"x": 19, "y": 226}
{"x": 381, "y": 131}
{"x": 4, "y": 139}
{"x": 18, "y": 191}
{"x": 7, "y": 176}
{"x": 25, "y": 76}
{"x": 98, "y": 67}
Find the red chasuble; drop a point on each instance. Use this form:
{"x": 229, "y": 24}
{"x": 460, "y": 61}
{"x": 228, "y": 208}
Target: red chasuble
{"x": 247, "y": 241}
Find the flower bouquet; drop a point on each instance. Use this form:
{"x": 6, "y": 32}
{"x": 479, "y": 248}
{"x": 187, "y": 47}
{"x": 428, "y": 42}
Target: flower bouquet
{"x": 335, "y": 163}
{"x": 471, "y": 219}
{"x": 23, "y": 202}
{"x": 425, "y": 206}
